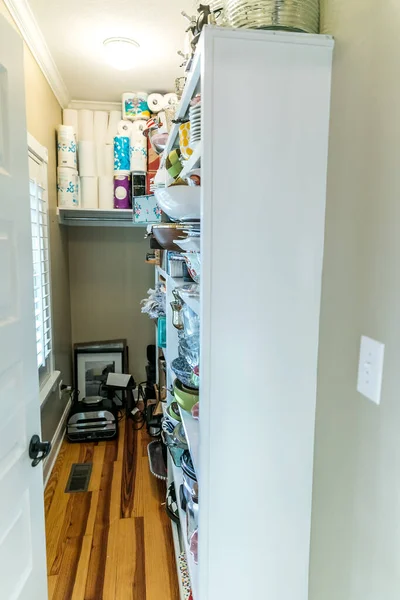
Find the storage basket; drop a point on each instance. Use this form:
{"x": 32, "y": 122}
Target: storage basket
{"x": 294, "y": 15}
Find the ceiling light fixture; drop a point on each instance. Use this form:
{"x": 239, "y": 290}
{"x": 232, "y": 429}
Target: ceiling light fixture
{"x": 121, "y": 52}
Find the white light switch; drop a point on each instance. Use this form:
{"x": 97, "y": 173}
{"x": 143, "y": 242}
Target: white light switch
{"x": 370, "y": 369}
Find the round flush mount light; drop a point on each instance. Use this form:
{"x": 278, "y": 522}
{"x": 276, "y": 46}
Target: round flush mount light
{"x": 121, "y": 52}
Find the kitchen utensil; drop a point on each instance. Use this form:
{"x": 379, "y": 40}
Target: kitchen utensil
{"x": 184, "y": 398}
{"x": 177, "y": 319}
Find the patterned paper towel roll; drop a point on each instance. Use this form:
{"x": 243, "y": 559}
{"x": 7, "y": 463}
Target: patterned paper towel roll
{"x": 70, "y": 117}
{"x": 66, "y": 147}
{"x": 106, "y": 192}
{"x": 86, "y": 125}
{"x": 87, "y": 159}
{"x": 122, "y": 195}
{"x": 89, "y": 192}
{"x": 138, "y": 149}
{"x": 134, "y": 106}
{"x": 121, "y": 153}
{"x": 67, "y": 188}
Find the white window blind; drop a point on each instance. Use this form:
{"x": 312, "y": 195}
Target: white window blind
{"x": 41, "y": 269}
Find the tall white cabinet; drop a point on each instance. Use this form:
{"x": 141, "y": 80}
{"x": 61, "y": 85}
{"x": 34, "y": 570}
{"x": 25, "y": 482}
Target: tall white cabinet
{"x": 265, "y": 120}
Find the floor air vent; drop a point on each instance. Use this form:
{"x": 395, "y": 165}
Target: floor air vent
{"x": 79, "y": 478}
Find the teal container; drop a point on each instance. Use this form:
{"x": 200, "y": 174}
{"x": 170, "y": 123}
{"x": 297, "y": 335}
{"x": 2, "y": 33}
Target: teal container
{"x": 162, "y": 332}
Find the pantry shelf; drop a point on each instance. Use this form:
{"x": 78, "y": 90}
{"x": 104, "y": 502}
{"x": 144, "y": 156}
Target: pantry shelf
{"x": 193, "y": 570}
{"x": 95, "y": 217}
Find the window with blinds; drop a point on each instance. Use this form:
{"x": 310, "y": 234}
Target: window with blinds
{"x": 41, "y": 271}
{"x": 41, "y": 264}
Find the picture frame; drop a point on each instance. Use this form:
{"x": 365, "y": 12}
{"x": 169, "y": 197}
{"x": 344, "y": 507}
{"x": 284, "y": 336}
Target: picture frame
{"x": 92, "y": 363}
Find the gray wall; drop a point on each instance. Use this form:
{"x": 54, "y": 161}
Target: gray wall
{"x": 108, "y": 278}
{"x": 356, "y": 509}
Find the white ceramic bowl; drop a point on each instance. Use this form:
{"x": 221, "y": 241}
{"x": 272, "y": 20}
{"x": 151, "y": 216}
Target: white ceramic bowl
{"x": 179, "y": 202}
{"x": 190, "y": 244}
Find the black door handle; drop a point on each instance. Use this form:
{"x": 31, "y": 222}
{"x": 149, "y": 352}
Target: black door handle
{"x": 38, "y": 450}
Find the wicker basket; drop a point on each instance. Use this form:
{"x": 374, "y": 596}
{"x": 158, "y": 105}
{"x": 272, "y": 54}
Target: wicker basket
{"x": 293, "y": 15}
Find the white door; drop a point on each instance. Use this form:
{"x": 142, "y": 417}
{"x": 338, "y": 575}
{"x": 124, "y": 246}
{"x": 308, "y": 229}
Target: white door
{"x": 22, "y": 537}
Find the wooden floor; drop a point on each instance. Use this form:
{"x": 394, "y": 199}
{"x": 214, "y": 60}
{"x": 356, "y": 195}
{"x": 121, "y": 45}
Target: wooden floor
{"x": 113, "y": 542}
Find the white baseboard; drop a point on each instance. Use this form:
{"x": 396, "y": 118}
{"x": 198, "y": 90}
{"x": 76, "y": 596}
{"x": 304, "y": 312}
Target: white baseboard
{"x": 56, "y": 444}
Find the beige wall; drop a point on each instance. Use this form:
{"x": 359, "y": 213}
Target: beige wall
{"x": 43, "y": 116}
{"x": 356, "y": 511}
{"x": 108, "y": 278}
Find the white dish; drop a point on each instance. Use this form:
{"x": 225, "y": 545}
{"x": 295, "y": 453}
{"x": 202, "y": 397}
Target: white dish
{"x": 180, "y": 202}
{"x": 190, "y": 244}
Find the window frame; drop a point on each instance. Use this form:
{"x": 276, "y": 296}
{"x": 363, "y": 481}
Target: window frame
{"x": 47, "y": 375}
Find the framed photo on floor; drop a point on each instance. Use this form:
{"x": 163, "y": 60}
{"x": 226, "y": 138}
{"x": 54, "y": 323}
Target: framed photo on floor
{"x": 93, "y": 361}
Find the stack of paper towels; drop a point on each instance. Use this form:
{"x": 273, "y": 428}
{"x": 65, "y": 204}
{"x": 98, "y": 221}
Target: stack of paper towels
{"x": 67, "y": 173}
{"x": 94, "y": 137}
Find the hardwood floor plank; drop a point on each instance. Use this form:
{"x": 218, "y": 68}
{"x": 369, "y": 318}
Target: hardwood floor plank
{"x": 128, "y": 475}
{"x": 73, "y": 526}
{"x": 92, "y": 513}
{"x": 54, "y": 477}
{"x": 126, "y": 560}
{"x": 161, "y": 581}
{"x": 98, "y": 557}
{"x": 78, "y": 592}
{"x": 138, "y": 494}
{"x": 51, "y": 586}
{"x": 97, "y": 469}
{"x": 110, "y": 574}
{"x": 139, "y": 584}
{"x": 86, "y": 452}
{"x": 115, "y": 504}
{"x": 111, "y": 453}
{"x": 121, "y": 440}
{"x": 59, "y": 504}
{"x": 69, "y": 564}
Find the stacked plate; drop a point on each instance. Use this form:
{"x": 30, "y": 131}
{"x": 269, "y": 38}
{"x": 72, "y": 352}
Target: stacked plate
{"x": 195, "y": 124}
{"x": 297, "y": 15}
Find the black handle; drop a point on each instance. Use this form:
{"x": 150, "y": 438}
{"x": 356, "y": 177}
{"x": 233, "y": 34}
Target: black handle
{"x": 38, "y": 450}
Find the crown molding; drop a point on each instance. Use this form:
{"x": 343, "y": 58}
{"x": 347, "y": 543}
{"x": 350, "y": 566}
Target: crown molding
{"x": 94, "y": 105}
{"x": 25, "y": 20}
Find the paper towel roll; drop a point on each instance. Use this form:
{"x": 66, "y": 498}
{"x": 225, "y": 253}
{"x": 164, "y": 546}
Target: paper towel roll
{"x": 100, "y": 126}
{"x": 122, "y": 196}
{"x": 89, "y": 192}
{"x": 170, "y": 100}
{"x": 70, "y": 117}
{"x": 155, "y": 102}
{"x": 86, "y": 125}
{"x": 137, "y": 130}
{"x": 66, "y": 147}
{"x": 121, "y": 153}
{"x": 67, "y": 189}
{"x": 124, "y": 128}
{"x": 106, "y": 192}
{"x": 114, "y": 119}
{"x": 100, "y": 159}
{"x": 87, "y": 159}
{"x": 109, "y": 159}
{"x": 134, "y": 106}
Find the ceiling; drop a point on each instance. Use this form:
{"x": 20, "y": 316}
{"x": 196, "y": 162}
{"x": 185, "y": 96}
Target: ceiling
{"x": 75, "y": 30}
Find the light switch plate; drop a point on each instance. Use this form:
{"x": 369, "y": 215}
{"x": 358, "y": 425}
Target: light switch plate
{"x": 370, "y": 369}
